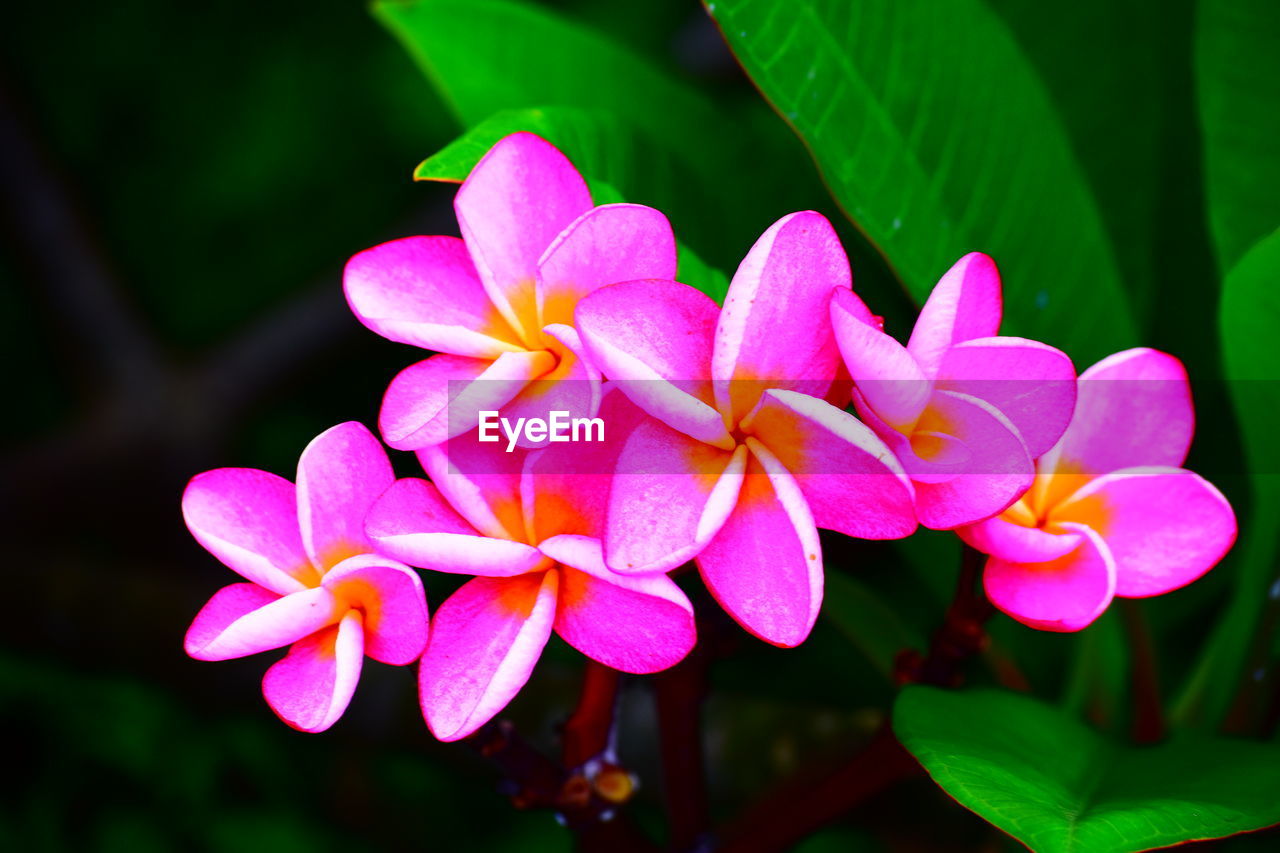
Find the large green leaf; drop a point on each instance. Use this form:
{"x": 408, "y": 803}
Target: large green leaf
{"x": 1237, "y": 56}
{"x": 937, "y": 138}
{"x": 1249, "y": 318}
{"x": 618, "y": 163}
{"x": 490, "y": 56}
{"x": 1057, "y": 786}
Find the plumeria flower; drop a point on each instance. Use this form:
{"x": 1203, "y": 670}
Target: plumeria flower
{"x": 497, "y": 304}
{"x": 965, "y": 411}
{"x": 1111, "y": 512}
{"x": 314, "y": 581}
{"x": 742, "y": 460}
{"x": 527, "y": 525}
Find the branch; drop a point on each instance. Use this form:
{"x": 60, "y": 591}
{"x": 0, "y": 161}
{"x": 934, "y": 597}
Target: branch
{"x": 678, "y": 695}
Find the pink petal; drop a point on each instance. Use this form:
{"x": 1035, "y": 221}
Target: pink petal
{"x": 1065, "y": 594}
{"x": 311, "y": 687}
{"x": 1014, "y": 543}
{"x": 511, "y": 208}
{"x": 655, "y": 339}
{"x": 227, "y": 605}
{"x": 442, "y": 396}
{"x": 670, "y": 495}
{"x": 850, "y": 479}
{"x": 571, "y": 387}
{"x": 940, "y": 457}
{"x": 965, "y": 304}
{"x": 481, "y": 481}
{"x": 765, "y": 564}
{"x": 997, "y": 473}
{"x": 775, "y": 328}
{"x": 1032, "y": 384}
{"x": 1165, "y": 527}
{"x": 340, "y": 475}
{"x": 605, "y": 245}
{"x": 413, "y": 523}
{"x": 222, "y": 630}
{"x": 632, "y": 623}
{"x": 1133, "y": 409}
{"x": 392, "y": 602}
{"x": 248, "y": 519}
{"x": 424, "y": 291}
{"x": 887, "y": 375}
{"x": 565, "y": 487}
{"x": 485, "y": 640}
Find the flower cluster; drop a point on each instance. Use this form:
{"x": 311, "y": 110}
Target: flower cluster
{"x": 727, "y": 441}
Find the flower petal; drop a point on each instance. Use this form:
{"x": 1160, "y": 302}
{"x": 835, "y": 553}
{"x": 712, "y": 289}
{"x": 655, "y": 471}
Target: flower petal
{"x": 485, "y": 640}
{"x": 887, "y": 375}
{"x": 997, "y": 472}
{"x": 1032, "y": 384}
{"x": 225, "y": 607}
{"x": 1133, "y": 409}
{"x": 1165, "y": 527}
{"x": 424, "y": 291}
{"x": 393, "y": 603}
{"x": 654, "y": 338}
{"x": 481, "y": 481}
{"x": 605, "y": 245}
{"x": 248, "y": 519}
{"x": 340, "y": 474}
{"x": 775, "y": 328}
{"x": 311, "y": 687}
{"x": 765, "y": 564}
{"x": 850, "y": 479}
{"x": 276, "y": 623}
{"x": 670, "y": 495}
{"x": 965, "y": 304}
{"x": 1014, "y": 543}
{"x": 442, "y": 396}
{"x": 632, "y": 623}
{"x": 413, "y": 523}
{"x": 512, "y": 206}
{"x": 1065, "y": 594}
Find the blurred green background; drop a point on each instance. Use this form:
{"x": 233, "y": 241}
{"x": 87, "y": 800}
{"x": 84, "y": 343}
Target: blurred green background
{"x": 183, "y": 183}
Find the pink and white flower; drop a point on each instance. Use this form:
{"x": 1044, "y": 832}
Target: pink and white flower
{"x": 1111, "y": 513}
{"x": 742, "y": 460}
{"x": 527, "y": 524}
{"x": 314, "y": 582}
{"x": 966, "y": 412}
{"x": 497, "y": 304}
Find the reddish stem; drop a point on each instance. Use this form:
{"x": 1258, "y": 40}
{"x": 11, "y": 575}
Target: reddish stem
{"x": 588, "y": 732}
{"x": 678, "y": 695}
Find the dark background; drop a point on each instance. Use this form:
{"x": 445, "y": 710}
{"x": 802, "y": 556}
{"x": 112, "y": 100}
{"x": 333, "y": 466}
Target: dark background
{"x": 182, "y": 184}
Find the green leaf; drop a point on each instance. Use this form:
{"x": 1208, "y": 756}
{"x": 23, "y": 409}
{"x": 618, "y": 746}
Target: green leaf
{"x": 869, "y": 623}
{"x": 675, "y": 148}
{"x": 1249, "y": 318}
{"x": 937, "y": 138}
{"x": 618, "y": 163}
{"x": 1057, "y": 786}
{"x": 1237, "y": 75}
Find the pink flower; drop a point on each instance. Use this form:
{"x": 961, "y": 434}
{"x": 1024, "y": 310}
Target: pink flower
{"x": 742, "y": 460}
{"x": 966, "y": 412}
{"x": 527, "y": 523}
{"x": 1111, "y": 512}
{"x": 314, "y": 582}
{"x": 497, "y": 305}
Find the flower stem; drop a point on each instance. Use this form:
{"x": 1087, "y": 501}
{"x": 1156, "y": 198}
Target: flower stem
{"x": 1148, "y": 718}
{"x": 678, "y": 695}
